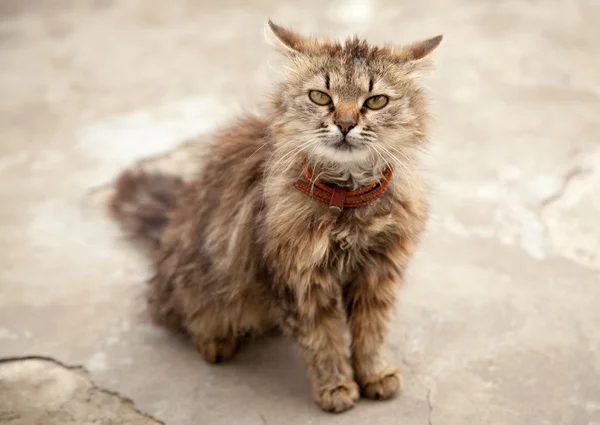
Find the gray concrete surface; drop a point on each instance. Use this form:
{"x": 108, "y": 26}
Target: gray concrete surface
{"x": 500, "y": 320}
{"x": 37, "y": 391}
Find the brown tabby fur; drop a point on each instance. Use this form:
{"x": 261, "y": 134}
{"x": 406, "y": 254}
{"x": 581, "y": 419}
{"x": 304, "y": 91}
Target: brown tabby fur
{"x": 239, "y": 250}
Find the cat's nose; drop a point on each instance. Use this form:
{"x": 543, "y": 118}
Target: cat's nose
{"x": 345, "y": 125}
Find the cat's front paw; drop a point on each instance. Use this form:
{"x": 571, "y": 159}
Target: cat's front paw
{"x": 382, "y": 386}
{"x": 217, "y": 350}
{"x": 338, "y": 398}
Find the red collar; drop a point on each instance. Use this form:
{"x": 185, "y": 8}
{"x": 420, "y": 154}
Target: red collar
{"x": 339, "y": 198}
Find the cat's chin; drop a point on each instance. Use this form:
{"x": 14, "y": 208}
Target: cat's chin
{"x": 349, "y": 155}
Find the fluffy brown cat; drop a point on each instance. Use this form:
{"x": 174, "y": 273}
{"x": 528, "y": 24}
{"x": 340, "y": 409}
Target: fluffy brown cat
{"x": 303, "y": 219}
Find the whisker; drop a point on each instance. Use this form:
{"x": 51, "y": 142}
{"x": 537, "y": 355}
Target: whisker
{"x": 394, "y": 157}
{"x": 261, "y": 146}
{"x": 287, "y": 160}
{"x": 397, "y": 161}
{"x": 387, "y": 164}
{"x": 372, "y": 149}
{"x": 410, "y": 161}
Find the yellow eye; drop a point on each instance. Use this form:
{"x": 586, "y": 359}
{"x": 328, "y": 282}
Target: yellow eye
{"x": 319, "y": 97}
{"x": 377, "y": 102}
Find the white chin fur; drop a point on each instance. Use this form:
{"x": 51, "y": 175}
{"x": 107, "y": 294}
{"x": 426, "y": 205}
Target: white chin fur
{"x": 342, "y": 157}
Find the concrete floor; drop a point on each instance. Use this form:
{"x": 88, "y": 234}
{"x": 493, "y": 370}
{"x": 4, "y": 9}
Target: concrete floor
{"x": 500, "y": 320}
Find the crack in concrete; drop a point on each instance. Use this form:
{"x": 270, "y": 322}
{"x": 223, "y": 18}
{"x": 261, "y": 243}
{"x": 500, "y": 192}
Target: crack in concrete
{"x": 548, "y": 218}
{"x": 43, "y": 358}
{"x": 428, "y": 391}
{"x": 405, "y": 364}
{"x": 82, "y": 369}
{"x": 429, "y": 407}
{"x": 568, "y": 213}
{"x": 574, "y": 172}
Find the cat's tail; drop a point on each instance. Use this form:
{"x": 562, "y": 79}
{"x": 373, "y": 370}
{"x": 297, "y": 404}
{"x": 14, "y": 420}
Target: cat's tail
{"x": 143, "y": 202}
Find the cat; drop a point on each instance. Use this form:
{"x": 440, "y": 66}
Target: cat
{"x": 302, "y": 219}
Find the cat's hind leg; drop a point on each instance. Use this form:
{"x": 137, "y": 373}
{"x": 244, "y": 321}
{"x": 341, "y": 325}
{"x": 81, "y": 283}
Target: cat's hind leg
{"x": 219, "y": 329}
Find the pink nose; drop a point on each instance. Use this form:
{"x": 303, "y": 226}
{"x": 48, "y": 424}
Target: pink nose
{"x": 345, "y": 126}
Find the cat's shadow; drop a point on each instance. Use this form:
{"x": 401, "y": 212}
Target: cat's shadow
{"x": 273, "y": 362}
{"x": 270, "y": 366}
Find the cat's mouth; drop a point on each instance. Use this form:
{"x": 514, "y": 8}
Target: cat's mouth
{"x": 349, "y": 149}
{"x": 346, "y": 144}
{"x": 343, "y": 151}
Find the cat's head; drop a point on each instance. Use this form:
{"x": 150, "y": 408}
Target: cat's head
{"x": 350, "y": 102}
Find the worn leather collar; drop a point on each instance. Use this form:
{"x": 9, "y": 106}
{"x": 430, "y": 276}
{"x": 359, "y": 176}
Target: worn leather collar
{"x": 339, "y": 198}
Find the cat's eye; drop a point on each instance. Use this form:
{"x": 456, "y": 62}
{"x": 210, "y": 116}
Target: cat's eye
{"x": 377, "y": 102}
{"x": 319, "y": 97}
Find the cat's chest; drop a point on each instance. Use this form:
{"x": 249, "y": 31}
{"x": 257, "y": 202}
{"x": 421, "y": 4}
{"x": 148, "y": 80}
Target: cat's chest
{"x": 348, "y": 239}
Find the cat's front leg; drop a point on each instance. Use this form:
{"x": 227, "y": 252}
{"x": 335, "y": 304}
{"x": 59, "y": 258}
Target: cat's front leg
{"x": 369, "y": 302}
{"x": 315, "y": 318}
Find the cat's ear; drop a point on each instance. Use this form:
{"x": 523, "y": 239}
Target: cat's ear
{"x": 414, "y": 57}
{"x": 286, "y": 41}
{"x": 420, "y": 49}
